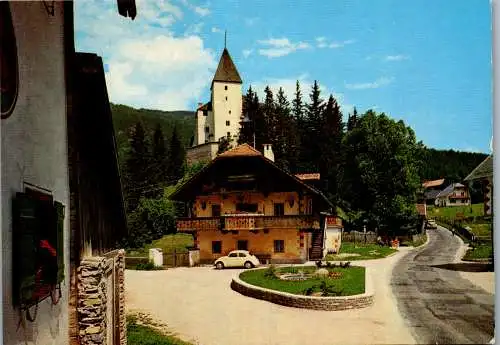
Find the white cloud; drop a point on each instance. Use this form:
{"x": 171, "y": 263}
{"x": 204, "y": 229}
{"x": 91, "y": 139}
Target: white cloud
{"x": 322, "y": 42}
{"x": 216, "y": 30}
{"x": 247, "y": 52}
{"x": 370, "y": 85}
{"x": 396, "y": 57}
{"x": 201, "y": 11}
{"x": 194, "y": 29}
{"x": 280, "y": 47}
{"x": 289, "y": 87}
{"x": 148, "y": 66}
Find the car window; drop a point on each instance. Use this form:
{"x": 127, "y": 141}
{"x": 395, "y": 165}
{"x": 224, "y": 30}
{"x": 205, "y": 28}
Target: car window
{"x": 242, "y": 255}
{"x": 233, "y": 255}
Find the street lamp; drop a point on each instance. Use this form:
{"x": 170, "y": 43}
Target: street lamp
{"x": 247, "y": 120}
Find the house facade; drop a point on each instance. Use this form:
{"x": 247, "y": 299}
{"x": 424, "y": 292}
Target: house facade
{"x": 221, "y": 116}
{"x": 49, "y": 230}
{"x": 431, "y": 190}
{"x": 242, "y": 200}
{"x": 456, "y": 194}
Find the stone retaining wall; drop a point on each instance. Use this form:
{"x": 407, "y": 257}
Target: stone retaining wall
{"x": 307, "y": 302}
{"x": 92, "y": 299}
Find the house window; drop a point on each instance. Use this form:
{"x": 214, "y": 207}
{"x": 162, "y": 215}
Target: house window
{"x": 9, "y": 82}
{"x": 216, "y": 210}
{"x": 207, "y": 129}
{"x": 279, "y": 246}
{"x": 309, "y": 206}
{"x": 242, "y": 245}
{"x": 463, "y": 193}
{"x": 227, "y": 123}
{"x": 249, "y": 208}
{"x": 279, "y": 209}
{"x": 216, "y": 247}
{"x": 225, "y": 87}
{"x": 228, "y": 134}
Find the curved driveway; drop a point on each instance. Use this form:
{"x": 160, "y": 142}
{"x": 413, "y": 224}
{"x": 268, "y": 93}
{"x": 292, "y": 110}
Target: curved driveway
{"x": 438, "y": 305}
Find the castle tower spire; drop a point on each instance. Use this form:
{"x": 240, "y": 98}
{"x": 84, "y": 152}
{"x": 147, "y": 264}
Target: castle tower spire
{"x": 225, "y": 38}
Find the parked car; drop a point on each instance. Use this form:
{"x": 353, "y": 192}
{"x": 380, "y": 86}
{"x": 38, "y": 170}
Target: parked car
{"x": 237, "y": 258}
{"x": 431, "y": 224}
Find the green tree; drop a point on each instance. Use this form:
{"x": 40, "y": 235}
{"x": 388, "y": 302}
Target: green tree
{"x": 159, "y": 165}
{"x": 177, "y": 157}
{"x": 312, "y": 128}
{"x": 225, "y": 144}
{"x": 351, "y": 122}
{"x": 381, "y": 172}
{"x": 250, "y": 107}
{"x": 330, "y": 146}
{"x": 285, "y": 145}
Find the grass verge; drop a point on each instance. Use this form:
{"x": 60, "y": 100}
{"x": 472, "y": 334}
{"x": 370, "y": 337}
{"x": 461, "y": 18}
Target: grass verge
{"x": 141, "y": 330}
{"x": 360, "y": 252}
{"x": 179, "y": 242}
{"x": 479, "y": 252}
{"x": 475, "y": 210}
{"x": 351, "y": 281}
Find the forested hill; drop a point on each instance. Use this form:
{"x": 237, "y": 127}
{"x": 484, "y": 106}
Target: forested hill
{"x": 125, "y": 117}
{"x": 449, "y": 164}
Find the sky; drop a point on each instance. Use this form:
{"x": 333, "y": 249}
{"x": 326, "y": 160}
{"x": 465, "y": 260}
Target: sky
{"x": 426, "y": 62}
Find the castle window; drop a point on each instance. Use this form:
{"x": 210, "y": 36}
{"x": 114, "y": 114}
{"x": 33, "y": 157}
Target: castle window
{"x": 207, "y": 129}
{"x": 227, "y": 123}
{"x": 228, "y": 134}
{"x": 229, "y": 112}
{"x": 205, "y": 113}
{"x": 225, "y": 87}
{"x": 226, "y": 98}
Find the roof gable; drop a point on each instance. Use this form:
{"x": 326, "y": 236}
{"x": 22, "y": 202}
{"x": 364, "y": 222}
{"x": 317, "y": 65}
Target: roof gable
{"x": 243, "y": 150}
{"x": 483, "y": 170}
{"x": 433, "y": 183}
{"x": 226, "y": 71}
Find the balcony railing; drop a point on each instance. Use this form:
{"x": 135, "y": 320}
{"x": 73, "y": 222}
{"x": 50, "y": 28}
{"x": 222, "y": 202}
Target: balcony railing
{"x": 248, "y": 222}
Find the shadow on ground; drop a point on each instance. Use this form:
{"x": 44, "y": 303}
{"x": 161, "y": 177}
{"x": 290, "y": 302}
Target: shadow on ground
{"x": 467, "y": 267}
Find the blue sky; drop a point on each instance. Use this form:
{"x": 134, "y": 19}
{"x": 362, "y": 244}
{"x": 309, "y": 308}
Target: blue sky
{"x": 427, "y": 62}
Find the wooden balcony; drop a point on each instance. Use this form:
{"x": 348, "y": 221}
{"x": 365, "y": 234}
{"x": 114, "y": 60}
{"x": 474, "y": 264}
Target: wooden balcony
{"x": 248, "y": 222}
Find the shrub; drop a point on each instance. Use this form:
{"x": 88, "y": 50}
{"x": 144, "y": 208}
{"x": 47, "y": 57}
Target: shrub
{"x": 319, "y": 264}
{"x": 271, "y": 272}
{"x": 309, "y": 291}
{"x": 328, "y": 264}
{"x": 146, "y": 267}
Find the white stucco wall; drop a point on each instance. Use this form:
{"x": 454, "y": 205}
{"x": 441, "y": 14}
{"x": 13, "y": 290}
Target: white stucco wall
{"x": 201, "y": 122}
{"x": 226, "y": 109}
{"x": 34, "y": 150}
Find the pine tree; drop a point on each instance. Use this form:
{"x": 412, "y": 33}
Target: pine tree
{"x": 225, "y": 144}
{"x": 330, "y": 148}
{"x": 299, "y": 133}
{"x": 137, "y": 164}
{"x": 351, "y": 122}
{"x": 281, "y": 130}
{"x": 269, "y": 111}
{"x": 249, "y": 109}
{"x": 312, "y": 128}
{"x": 176, "y": 157}
{"x": 159, "y": 164}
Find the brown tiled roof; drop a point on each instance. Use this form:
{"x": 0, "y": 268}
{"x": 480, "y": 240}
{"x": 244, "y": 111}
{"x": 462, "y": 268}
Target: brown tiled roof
{"x": 433, "y": 183}
{"x": 310, "y": 176}
{"x": 241, "y": 150}
{"x": 226, "y": 71}
{"x": 422, "y": 209}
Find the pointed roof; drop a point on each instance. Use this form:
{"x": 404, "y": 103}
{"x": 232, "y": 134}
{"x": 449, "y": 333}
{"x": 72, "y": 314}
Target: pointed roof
{"x": 243, "y": 150}
{"x": 226, "y": 71}
{"x": 483, "y": 170}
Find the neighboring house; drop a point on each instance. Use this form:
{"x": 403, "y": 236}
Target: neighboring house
{"x": 456, "y": 194}
{"x": 484, "y": 173}
{"x": 432, "y": 189}
{"x": 220, "y": 116}
{"x": 62, "y": 207}
{"x": 242, "y": 200}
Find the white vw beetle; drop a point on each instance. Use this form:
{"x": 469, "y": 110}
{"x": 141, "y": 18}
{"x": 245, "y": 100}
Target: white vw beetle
{"x": 237, "y": 258}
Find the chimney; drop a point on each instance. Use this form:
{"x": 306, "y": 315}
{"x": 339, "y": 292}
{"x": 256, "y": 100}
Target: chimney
{"x": 268, "y": 152}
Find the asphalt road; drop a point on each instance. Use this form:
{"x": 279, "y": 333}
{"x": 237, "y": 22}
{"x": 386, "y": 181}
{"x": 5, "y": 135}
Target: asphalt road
{"x": 438, "y": 305}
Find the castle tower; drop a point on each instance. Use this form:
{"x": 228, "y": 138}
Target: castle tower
{"x": 222, "y": 115}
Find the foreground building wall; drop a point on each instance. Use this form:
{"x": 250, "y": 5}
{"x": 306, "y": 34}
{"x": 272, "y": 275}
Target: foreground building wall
{"x": 34, "y": 151}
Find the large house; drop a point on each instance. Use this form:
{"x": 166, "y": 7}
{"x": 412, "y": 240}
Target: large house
{"x": 456, "y": 194}
{"x": 242, "y": 200}
{"x": 61, "y": 200}
{"x": 484, "y": 173}
{"x": 431, "y": 190}
{"x": 221, "y": 116}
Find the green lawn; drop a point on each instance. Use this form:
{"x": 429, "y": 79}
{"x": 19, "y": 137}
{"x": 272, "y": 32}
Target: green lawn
{"x": 482, "y": 251}
{"x": 352, "y": 281}
{"x": 481, "y": 230}
{"x": 167, "y": 243}
{"x": 475, "y": 210}
{"x": 365, "y": 251}
{"x": 144, "y": 334}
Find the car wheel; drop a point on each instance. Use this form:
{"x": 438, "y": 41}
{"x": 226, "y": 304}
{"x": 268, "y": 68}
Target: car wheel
{"x": 219, "y": 265}
{"x": 248, "y": 264}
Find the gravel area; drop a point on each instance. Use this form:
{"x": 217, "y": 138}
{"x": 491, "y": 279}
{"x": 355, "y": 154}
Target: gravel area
{"x": 199, "y": 305}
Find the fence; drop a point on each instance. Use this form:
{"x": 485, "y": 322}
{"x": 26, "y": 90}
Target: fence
{"x": 358, "y": 236}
